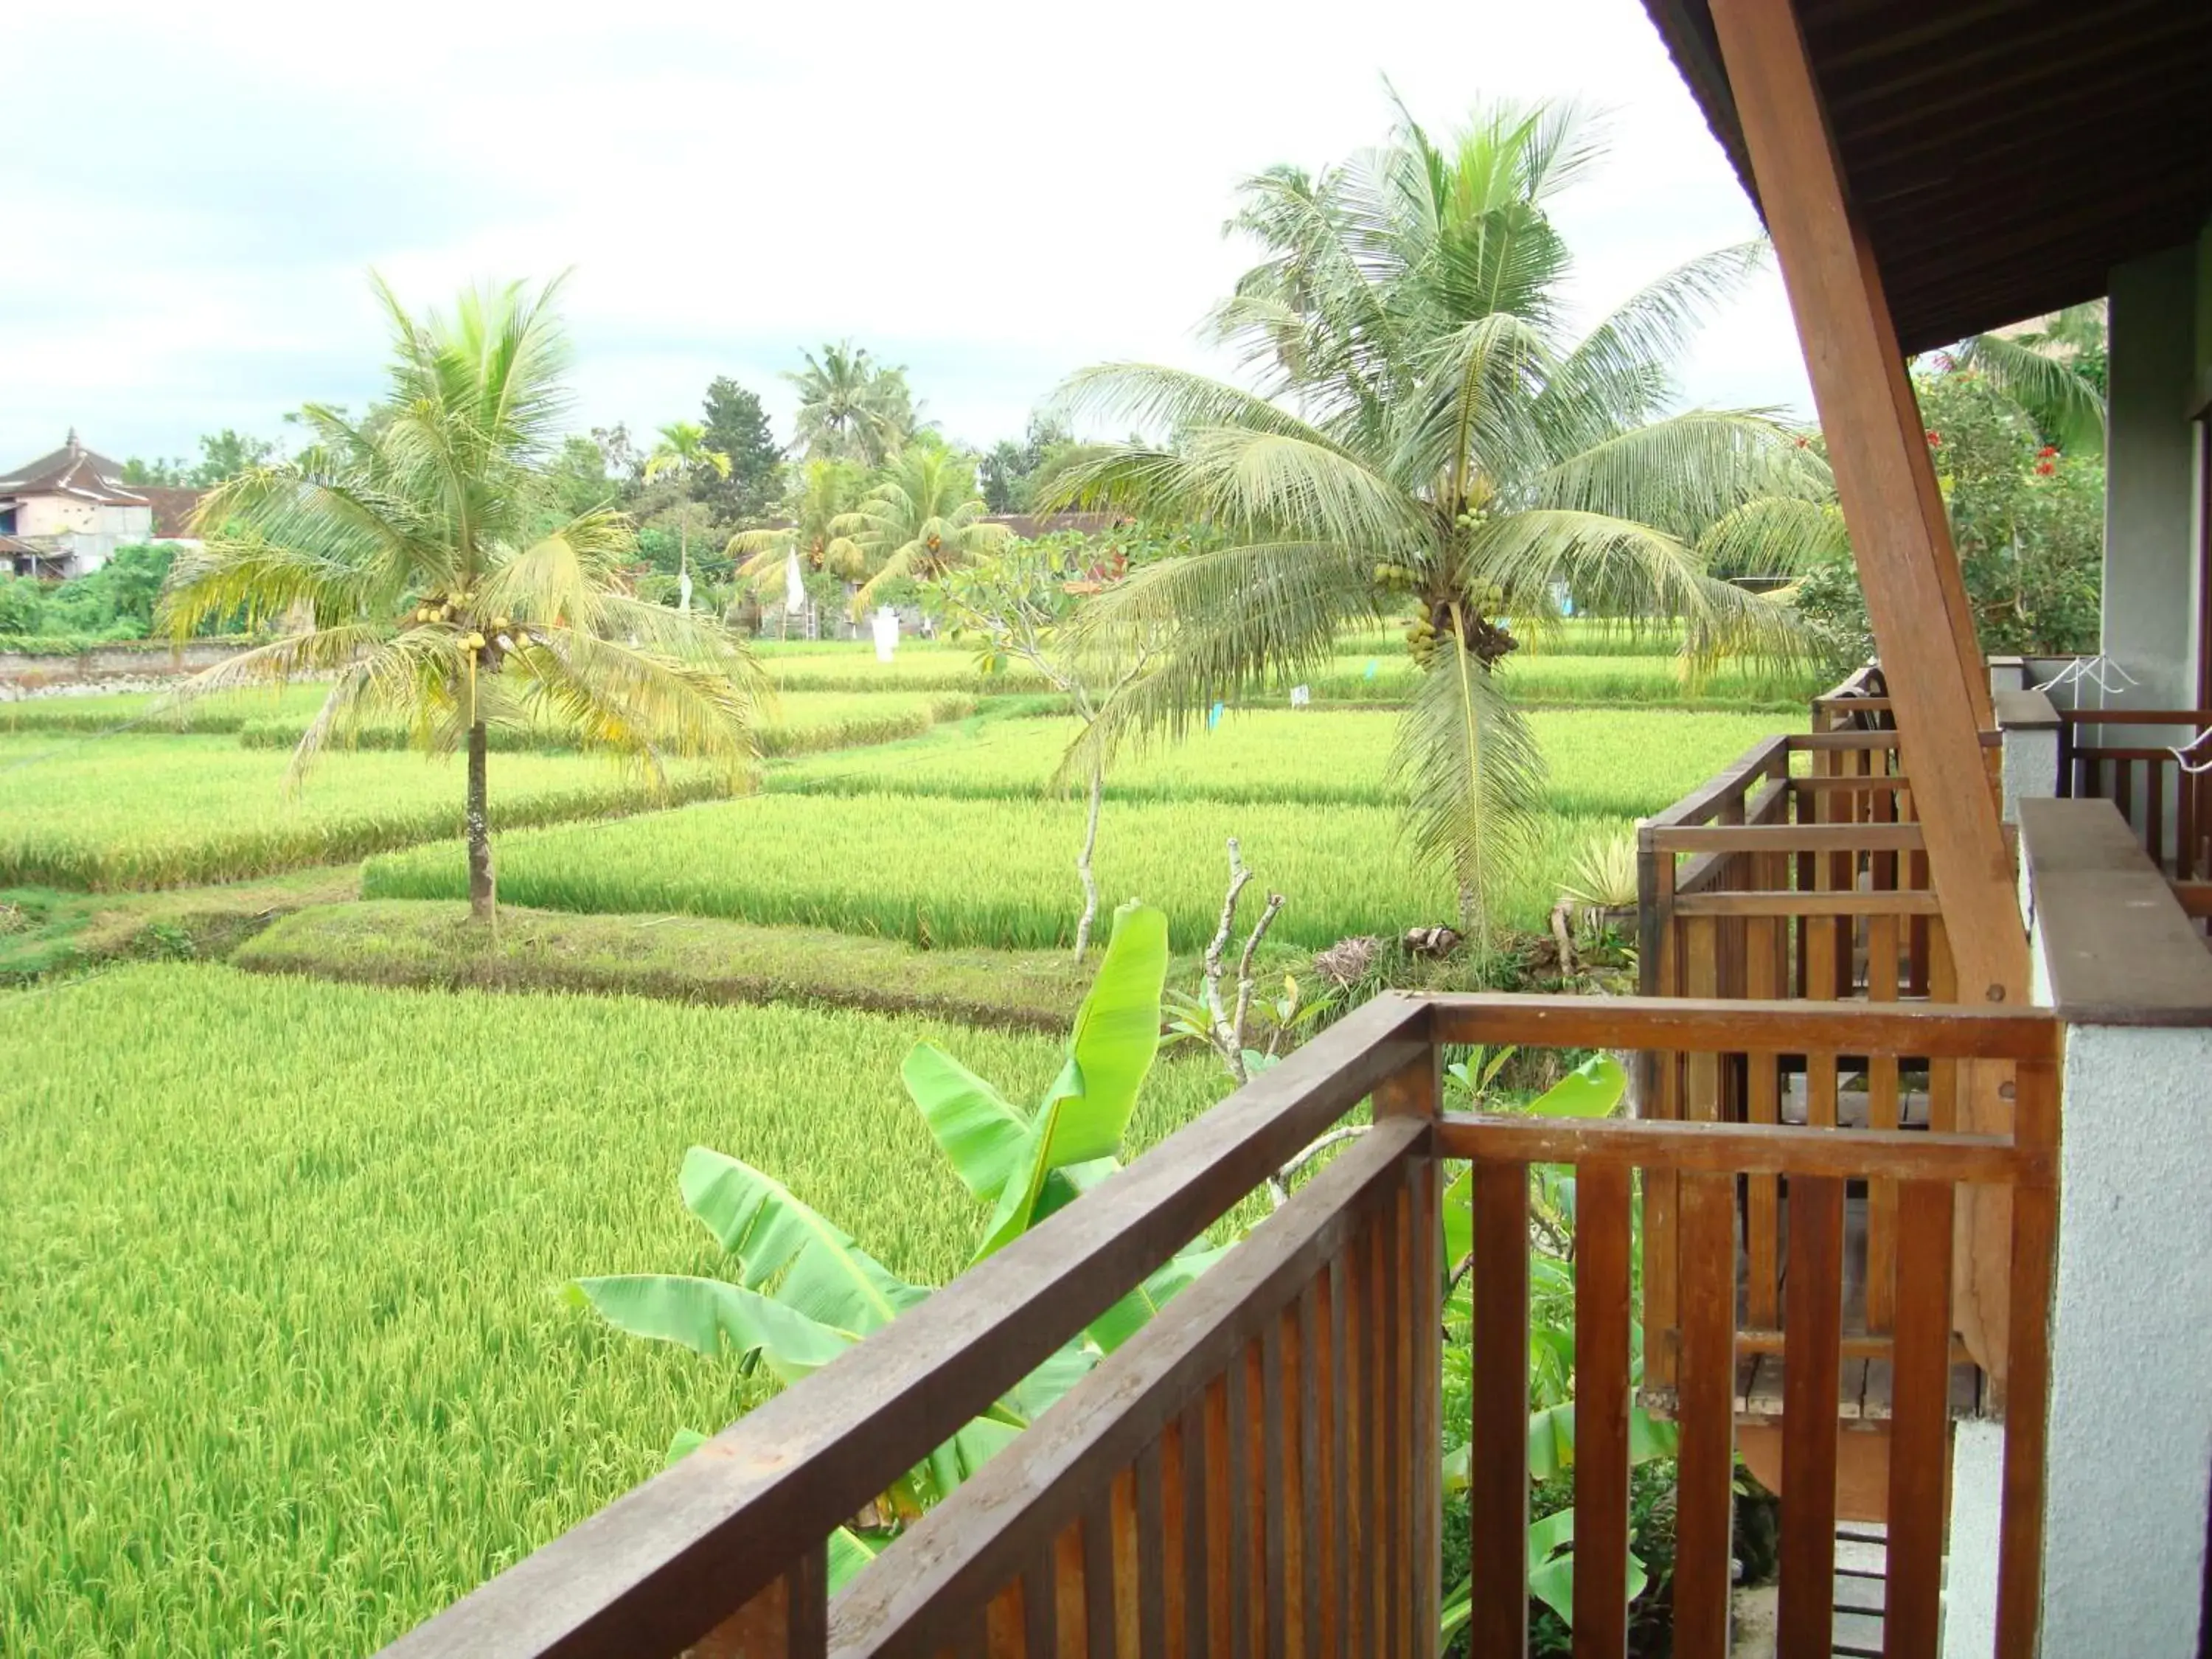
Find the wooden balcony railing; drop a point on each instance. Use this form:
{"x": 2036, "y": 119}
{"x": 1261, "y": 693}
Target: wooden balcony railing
{"x": 1257, "y": 1470}
{"x": 2169, "y": 808}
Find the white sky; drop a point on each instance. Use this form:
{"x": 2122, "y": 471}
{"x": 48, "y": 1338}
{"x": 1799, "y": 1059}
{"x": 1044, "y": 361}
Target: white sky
{"x": 993, "y": 194}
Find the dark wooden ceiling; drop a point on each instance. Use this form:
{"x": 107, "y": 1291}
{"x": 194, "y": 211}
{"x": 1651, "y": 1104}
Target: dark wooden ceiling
{"x": 2002, "y": 155}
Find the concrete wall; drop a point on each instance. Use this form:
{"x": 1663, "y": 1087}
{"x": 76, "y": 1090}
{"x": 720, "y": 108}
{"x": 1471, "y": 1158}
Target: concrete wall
{"x": 22, "y": 674}
{"x": 2130, "y": 1463}
{"x": 2150, "y": 564}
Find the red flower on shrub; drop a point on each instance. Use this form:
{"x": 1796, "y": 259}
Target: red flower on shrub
{"x": 1934, "y": 439}
{"x": 2046, "y": 452}
{"x": 2046, "y": 468}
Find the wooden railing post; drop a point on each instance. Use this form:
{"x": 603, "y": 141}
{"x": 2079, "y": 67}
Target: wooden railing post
{"x": 1417, "y": 1091}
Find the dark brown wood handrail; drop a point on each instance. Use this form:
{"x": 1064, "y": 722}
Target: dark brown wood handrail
{"x": 1741, "y": 1148}
{"x": 1789, "y": 838}
{"x": 2197, "y": 717}
{"x": 659, "y": 1567}
{"x": 1731, "y": 1026}
{"x": 1769, "y": 756}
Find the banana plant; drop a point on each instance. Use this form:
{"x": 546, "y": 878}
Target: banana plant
{"x": 1593, "y": 1089}
{"x": 803, "y": 1291}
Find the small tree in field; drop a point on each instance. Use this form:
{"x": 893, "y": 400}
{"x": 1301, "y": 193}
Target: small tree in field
{"x": 402, "y": 561}
{"x": 1017, "y": 606}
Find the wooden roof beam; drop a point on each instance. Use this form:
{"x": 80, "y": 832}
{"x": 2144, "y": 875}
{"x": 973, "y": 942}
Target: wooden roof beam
{"x": 1901, "y": 540}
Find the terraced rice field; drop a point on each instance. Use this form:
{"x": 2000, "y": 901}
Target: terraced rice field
{"x": 1610, "y": 761}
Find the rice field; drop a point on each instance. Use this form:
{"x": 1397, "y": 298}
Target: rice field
{"x": 995, "y": 872}
{"x": 143, "y": 810}
{"x": 1615, "y": 761}
{"x": 286, "y": 1364}
{"x": 276, "y": 718}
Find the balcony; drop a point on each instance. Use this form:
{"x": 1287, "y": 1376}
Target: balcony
{"x": 1258, "y": 1471}
{"x": 1835, "y": 1214}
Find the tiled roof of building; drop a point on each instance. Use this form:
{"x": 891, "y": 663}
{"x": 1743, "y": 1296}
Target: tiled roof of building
{"x": 173, "y": 506}
{"x": 72, "y": 470}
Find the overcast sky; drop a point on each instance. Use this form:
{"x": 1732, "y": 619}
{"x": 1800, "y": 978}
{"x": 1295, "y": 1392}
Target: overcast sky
{"x": 991, "y": 194}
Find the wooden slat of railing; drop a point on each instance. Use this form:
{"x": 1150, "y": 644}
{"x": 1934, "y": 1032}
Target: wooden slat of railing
{"x": 1246, "y": 1578}
{"x": 1373, "y": 1453}
{"x": 2027, "y": 1377}
{"x": 1196, "y": 1438}
{"x": 1159, "y": 1597}
{"x": 1497, "y": 1460}
{"x": 1884, "y": 1111}
{"x": 1762, "y": 1105}
{"x": 1068, "y": 1465}
{"x": 1705, "y": 1411}
{"x": 1098, "y": 1590}
{"x": 1041, "y": 1606}
{"x": 1789, "y": 1027}
{"x": 1424, "y": 1341}
{"x": 1919, "y": 1430}
{"x": 1311, "y": 1387}
{"x": 1602, "y": 1406}
{"x": 786, "y": 1618}
{"x": 1225, "y": 1591}
{"x": 1813, "y": 1325}
{"x": 1343, "y": 1470}
{"x": 1278, "y": 1494}
{"x": 1394, "y": 1558}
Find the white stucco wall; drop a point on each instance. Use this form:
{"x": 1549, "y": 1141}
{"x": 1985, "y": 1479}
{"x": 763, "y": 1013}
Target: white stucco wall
{"x": 2131, "y": 1345}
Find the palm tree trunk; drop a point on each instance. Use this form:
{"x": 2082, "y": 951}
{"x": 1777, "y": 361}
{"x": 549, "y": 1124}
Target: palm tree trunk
{"x": 1082, "y": 866}
{"x": 481, "y": 899}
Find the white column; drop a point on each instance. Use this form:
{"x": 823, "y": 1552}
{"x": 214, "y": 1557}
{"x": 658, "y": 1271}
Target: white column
{"x": 2028, "y": 727}
{"x": 2130, "y": 1467}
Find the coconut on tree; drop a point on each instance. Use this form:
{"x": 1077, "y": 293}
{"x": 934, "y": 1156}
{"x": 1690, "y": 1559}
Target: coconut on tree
{"x": 923, "y": 517}
{"x": 1428, "y": 436}
{"x": 402, "y": 560}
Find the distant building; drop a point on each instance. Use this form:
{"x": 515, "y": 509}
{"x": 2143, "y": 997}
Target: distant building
{"x": 65, "y": 514}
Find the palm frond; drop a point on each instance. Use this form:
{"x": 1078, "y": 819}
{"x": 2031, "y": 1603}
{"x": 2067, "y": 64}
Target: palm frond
{"x": 1472, "y": 775}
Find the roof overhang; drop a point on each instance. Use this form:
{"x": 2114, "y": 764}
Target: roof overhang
{"x": 2002, "y": 155}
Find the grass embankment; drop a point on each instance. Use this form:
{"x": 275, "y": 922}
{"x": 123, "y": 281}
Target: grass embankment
{"x": 288, "y": 1366}
{"x": 43, "y": 931}
{"x": 433, "y": 944}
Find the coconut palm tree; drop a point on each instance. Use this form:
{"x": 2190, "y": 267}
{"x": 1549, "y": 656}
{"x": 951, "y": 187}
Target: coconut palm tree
{"x": 682, "y": 452}
{"x": 2053, "y": 367}
{"x": 923, "y": 517}
{"x": 824, "y": 493}
{"x": 852, "y": 409}
{"x": 1429, "y": 435}
{"x": 401, "y": 560}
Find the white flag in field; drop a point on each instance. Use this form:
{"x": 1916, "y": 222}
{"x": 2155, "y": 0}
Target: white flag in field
{"x": 794, "y": 584}
{"x": 887, "y": 632}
